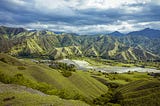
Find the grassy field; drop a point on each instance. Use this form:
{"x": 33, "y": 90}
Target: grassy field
{"x": 50, "y": 81}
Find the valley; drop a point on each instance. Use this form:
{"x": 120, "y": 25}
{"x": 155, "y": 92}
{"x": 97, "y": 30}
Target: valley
{"x": 79, "y": 52}
{"x": 84, "y": 65}
{"x": 64, "y": 85}
{"x": 44, "y": 68}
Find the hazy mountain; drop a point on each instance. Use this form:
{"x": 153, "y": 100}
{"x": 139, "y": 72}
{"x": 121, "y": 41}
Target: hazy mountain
{"x": 152, "y": 33}
{"x": 116, "y": 33}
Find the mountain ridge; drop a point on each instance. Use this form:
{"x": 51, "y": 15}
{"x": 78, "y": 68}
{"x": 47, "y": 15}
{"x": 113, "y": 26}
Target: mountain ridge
{"x": 51, "y": 45}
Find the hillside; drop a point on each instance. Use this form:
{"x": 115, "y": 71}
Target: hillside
{"x": 29, "y": 83}
{"x": 142, "y": 93}
{"x": 46, "y": 44}
{"x": 79, "y": 85}
{"x": 11, "y": 94}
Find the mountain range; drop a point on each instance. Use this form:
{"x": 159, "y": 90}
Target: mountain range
{"x": 137, "y": 45}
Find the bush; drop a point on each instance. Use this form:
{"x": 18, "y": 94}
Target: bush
{"x": 5, "y": 79}
{"x": 63, "y": 66}
{"x": 63, "y": 94}
{"x": 21, "y": 68}
{"x": 3, "y": 60}
{"x": 104, "y": 98}
{"x": 66, "y": 73}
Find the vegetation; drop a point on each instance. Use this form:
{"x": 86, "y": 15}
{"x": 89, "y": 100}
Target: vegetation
{"x": 79, "y": 86}
{"x": 53, "y": 46}
{"x": 66, "y": 70}
{"x": 12, "y": 94}
{"x": 26, "y": 83}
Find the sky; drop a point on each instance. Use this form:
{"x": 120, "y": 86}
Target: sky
{"x": 81, "y": 16}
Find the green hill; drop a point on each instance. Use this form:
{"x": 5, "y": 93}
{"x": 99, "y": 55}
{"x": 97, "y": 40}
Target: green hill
{"x": 20, "y": 42}
{"x": 79, "y": 85}
{"x": 140, "y": 93}
{"x": 16, "y": 95}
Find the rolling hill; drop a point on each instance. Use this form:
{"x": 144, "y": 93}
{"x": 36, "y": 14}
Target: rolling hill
{"x": 140, "y": 93}
{"x": 79, "y": 85}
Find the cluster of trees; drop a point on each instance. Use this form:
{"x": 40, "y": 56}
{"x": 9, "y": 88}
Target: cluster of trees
{"x": 65, "y": 69}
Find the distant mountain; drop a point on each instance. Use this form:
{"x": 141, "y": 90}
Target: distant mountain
{"x": 151, "y": 33}
{"x": 50, "y": 45}
{"x": 116, "y": 33}
{"x": 11, "y": 31}
{"x": 58, "y": 32}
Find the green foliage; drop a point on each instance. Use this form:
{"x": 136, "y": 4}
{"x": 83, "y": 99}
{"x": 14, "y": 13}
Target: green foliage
{"x": 66, "y": 70}
{"x": 66, "y": 73}
{"x": 104, "y": 99}
{"x": 3, "y": 60}
{"x": 109, "y": 99}
{"x": 21, "y": 68}
{"x": 21, "y": 80}
{"x": 21, "y": 98}
{"x": 66, "y": 45}
{"x": 44, "y": 87}
{"x": 142, "y": 93}
{"x": 63, "y": 66}
{"x": 5, "y": 79}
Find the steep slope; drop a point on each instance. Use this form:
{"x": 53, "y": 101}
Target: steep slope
{"x": 63, "y": 52}
{"x": 142, "y": 93}
{"x": 11, "y": 94}
{"x": 9, "y": 32}
{"x": 47, "y": 80}
{"x": 47, "y": 44}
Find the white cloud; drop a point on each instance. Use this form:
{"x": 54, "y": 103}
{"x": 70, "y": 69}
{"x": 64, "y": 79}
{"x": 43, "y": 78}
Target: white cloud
{"x": 85, "y": 16}
{"x": 85, "y": 4}
{"x": 80, "y": 4}
{"x": 68, "y": 7}
{"x": 122, "y": 26}
{"x": 18, "y": 2}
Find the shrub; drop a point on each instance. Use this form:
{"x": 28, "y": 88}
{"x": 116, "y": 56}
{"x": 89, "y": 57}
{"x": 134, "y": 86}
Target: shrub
{"x": 63, "y": 94}
{"x": 66, "y": 73}
{"x": 104, "y": 98}
{"x": 5, "y": 79}
{"x": 21, "y": 68}
{"x": 3, "y": 60}
{"x": 63, "y": 66}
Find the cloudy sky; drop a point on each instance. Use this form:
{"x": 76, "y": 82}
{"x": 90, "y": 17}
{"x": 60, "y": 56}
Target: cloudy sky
{"x": 81, "y": 16}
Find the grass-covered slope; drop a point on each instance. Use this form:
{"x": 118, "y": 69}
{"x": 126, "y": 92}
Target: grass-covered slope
{"x": 16, "y": 95}
{"x": 128, "y": 89}
{"x": 50, "y": 81}
{"x": 140, "y": 93}
{"x": 20, "y": 42}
